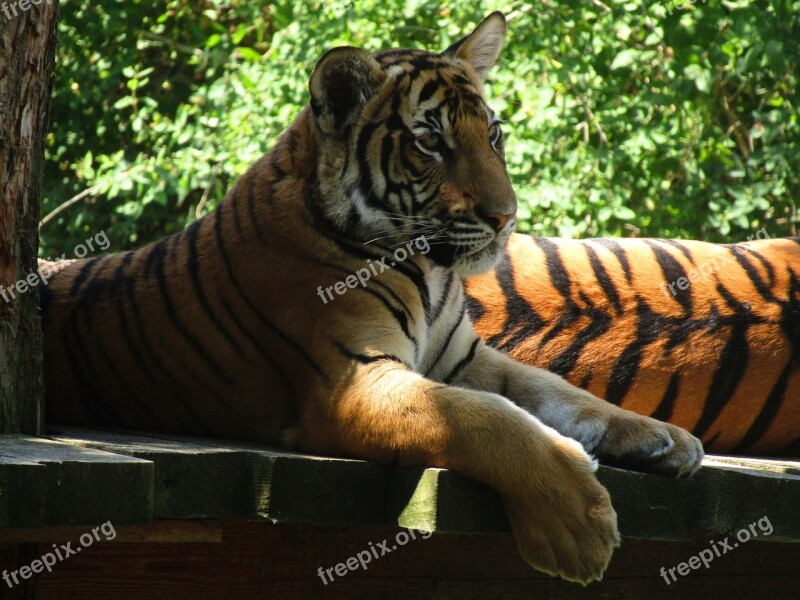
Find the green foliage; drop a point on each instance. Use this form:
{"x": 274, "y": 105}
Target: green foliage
{"x": 621, "y": 119}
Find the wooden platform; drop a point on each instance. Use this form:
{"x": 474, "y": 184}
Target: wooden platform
{"x": 209, "y": 519}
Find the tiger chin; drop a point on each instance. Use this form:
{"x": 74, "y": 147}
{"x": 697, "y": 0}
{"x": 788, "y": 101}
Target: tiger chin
{"x": 219, "y": 331}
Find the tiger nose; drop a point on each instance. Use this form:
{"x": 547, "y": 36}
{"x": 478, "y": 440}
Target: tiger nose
{"x": 496, "y": 220}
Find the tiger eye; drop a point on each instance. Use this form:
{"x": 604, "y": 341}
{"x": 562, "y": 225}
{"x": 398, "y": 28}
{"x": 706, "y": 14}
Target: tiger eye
{"x": 494, "y": 132}
{"x": 430, "y": 140}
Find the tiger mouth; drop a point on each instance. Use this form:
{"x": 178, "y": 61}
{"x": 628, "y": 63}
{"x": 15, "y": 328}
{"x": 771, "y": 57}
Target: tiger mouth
{"x": 451, "y": 254}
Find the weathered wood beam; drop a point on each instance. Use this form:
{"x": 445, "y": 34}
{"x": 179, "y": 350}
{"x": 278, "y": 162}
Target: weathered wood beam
{"x": 196, "y": 478}
{"x": 47, "y": 483}
{"x": 205, "y": 479}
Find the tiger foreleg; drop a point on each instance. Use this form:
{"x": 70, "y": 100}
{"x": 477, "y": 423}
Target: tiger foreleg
{"x": 603, "y": 429}
{"x": 561, "y": 516}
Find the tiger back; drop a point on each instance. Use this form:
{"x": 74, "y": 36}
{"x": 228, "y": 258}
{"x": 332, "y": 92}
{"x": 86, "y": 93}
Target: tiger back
{"x": 706, "y": 336}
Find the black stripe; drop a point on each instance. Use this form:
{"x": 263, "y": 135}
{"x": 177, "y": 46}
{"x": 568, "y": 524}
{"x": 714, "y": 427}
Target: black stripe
{"x": 680, "y": 328}
{"x": 398, "y": 315}
{"x": 281, "y": 174}
{"x": 730, "y": 369}
{"x": 83, "y": 274}
{"x": 45, "y": 299}
{"x": 234, "y": 204}
{"x": 761, "y": 287}
{"x": 766, "y": 416}
{"x": 251, "y": 200}
{"x": 261, "y": 317}
{"x": 522, "y": 320}
{"x": 342, "y": 271}
{"x": 649, "y": 326}
{"x": 197, "y": 285}
{"x": 181, "y": 393}
{"x": 619, "y": 253}
{"x": 365, "y": 359}
{"x": 603, "y": 278}
{"x": 586, "y": 379}
{"x": 791, "y": 449}
{"x": 375, "y": 252}
{"x": 157, "y": 257}
{"x": 559, "y": 277}
{"x": 450, "y": 334}
{"x": 108, "y": 359}
{"x": 764, "y": 262}
{"x": 154, "y": 253}
{"x": 673, "y": 271}
{"x": 141, "y": 327}
{"x": 396, "y": 54}
{"x": 666, "y": 406}
{"x": 365, "y": 182}
{"x": 233, "y": 316}
{"x": 681, "y": 247}
{"x": 75, "y": 350}
{"x": 119, "y": 283}
{"x": 76, "y": 353}
{"x": 429, "y": 89}
{"x": 432, "y": 316}
{"x": 790, "y": 315}
{"x": 462, "y": 364}
{"x": 476, "y": 310}
{"x": 175, "y": 242}
{"x": 387, "y": 147}
{"x": 600, "y": 323}
{"x": 261, "y": 349}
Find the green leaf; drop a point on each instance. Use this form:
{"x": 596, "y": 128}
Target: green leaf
{"x": 624, "y": 59}
{"x": 123, "y": 102}
{"x": 624, "y": 213}
{"x": 249, "y": 54}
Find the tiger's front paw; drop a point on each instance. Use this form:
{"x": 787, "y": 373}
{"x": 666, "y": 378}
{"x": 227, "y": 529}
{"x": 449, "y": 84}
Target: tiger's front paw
{"x": 645, "y": 444}
{"x": 564, "y": 523}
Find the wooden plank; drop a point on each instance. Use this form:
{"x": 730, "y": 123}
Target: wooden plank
{"x": 720, "y": 498}
{"x": 655, "y": 508}
{"x": 190, "y": 480}
{"x": 81, "y": 486}
{"x": 649, "y": 507}
{"x": 23, "y": 488}
{"x": 182, "y": 531}
{"x": 260, "y": 560}
{"x": 197, "y": 478}
{"x": 781, "y": 466}
{"x": 736, "y": 497}
{"x": 322, "y": 490}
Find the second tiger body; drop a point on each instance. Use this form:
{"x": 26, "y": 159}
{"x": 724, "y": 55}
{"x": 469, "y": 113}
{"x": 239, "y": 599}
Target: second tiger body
{"x": 705, "y": 336}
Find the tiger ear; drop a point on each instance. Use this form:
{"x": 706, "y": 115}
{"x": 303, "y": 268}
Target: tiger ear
{"x": 481, "y": 48}
{"x": 342, "y": 82}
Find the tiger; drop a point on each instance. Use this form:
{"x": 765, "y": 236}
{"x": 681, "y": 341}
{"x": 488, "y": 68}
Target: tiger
{"x": 220, "y": 330}
{"x": 704, "y": 336}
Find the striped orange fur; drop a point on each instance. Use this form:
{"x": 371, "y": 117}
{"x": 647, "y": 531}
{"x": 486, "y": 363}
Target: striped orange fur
{"x": 705, "y": 336}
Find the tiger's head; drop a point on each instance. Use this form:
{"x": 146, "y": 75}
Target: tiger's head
{"x": 408, "y": 147}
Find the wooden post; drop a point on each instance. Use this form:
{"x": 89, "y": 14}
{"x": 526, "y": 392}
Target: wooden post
{"x": 27, "y": 55}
